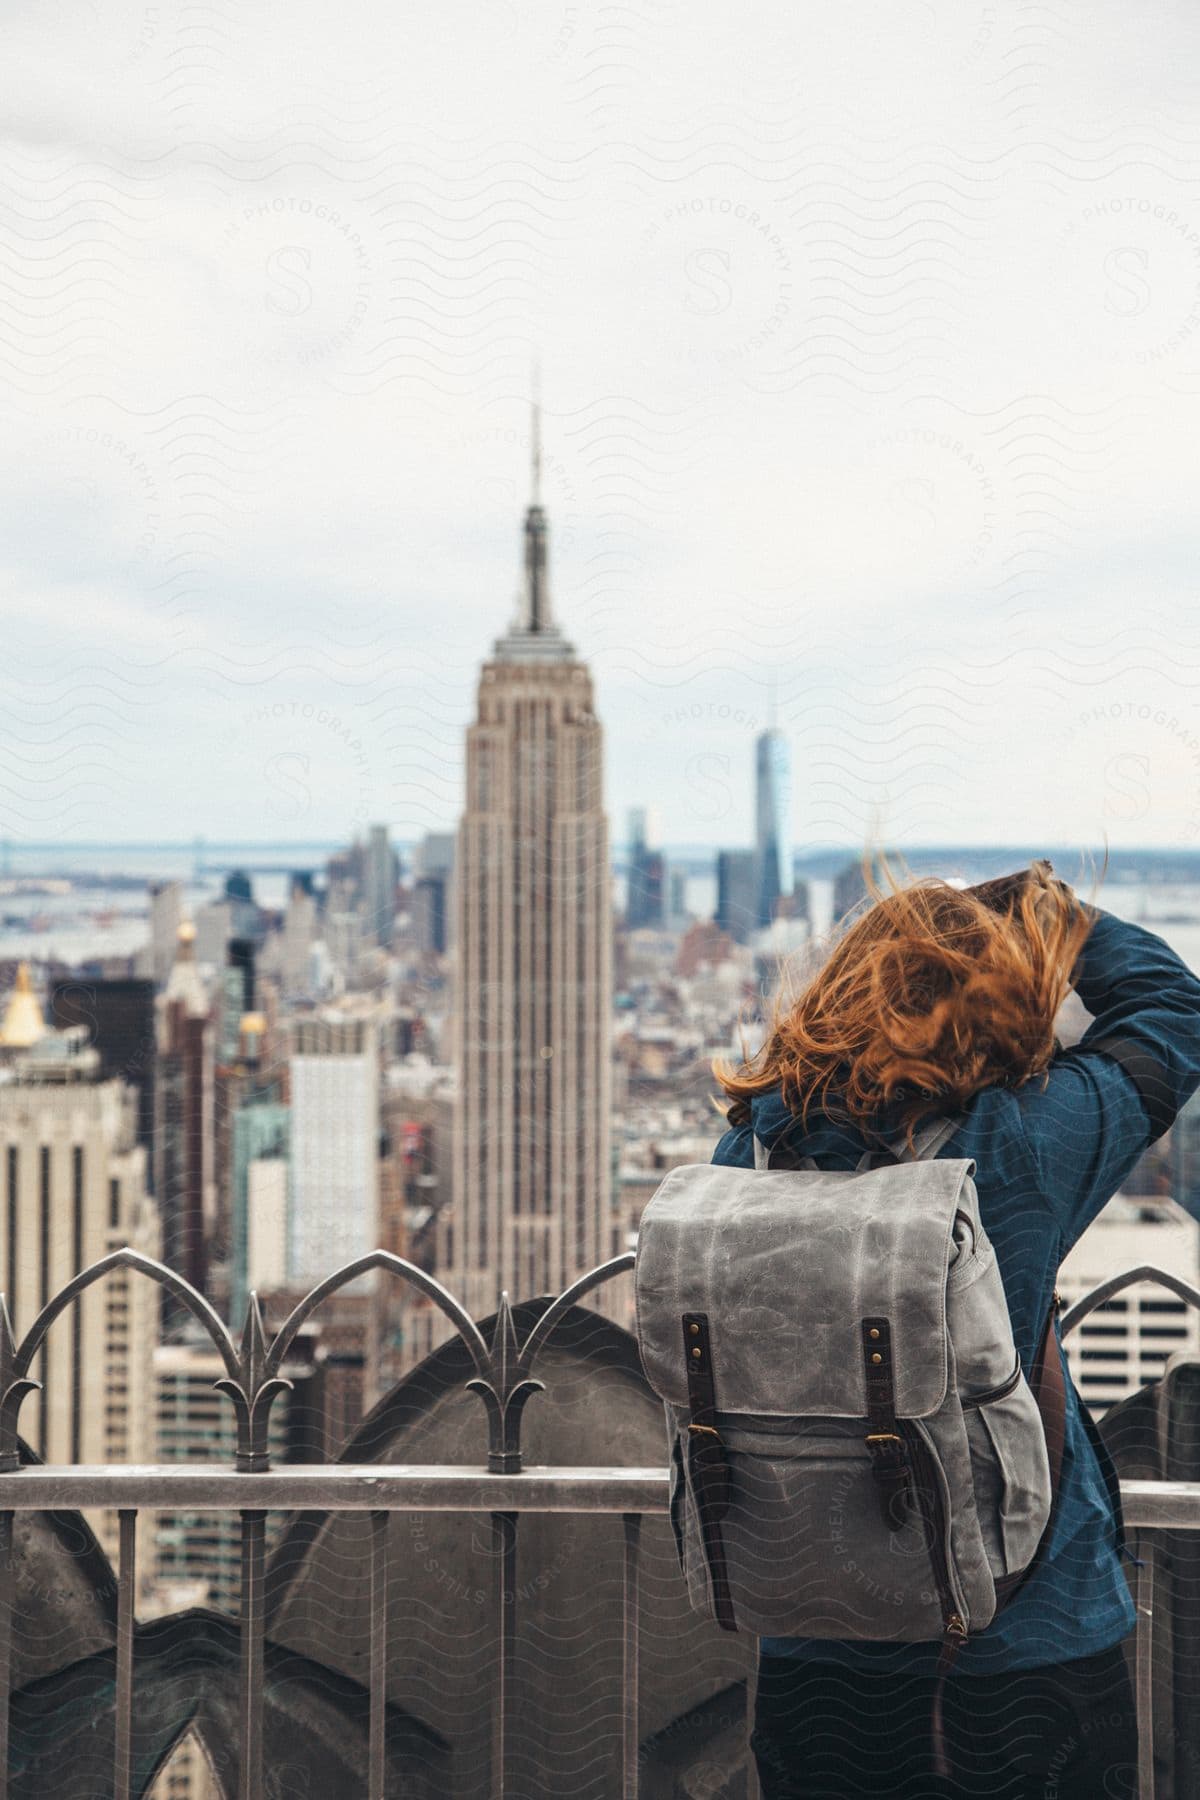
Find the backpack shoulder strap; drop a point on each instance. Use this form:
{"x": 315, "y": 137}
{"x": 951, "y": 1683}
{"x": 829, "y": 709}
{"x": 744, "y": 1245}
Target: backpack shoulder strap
{"x": 763, "y": 1155}
{"x": 927, "y": 1143}
{"x": 1048, "y": 1384}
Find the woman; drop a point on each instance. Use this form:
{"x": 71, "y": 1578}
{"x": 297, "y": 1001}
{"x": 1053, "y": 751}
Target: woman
{"x": 941, "y": 1000}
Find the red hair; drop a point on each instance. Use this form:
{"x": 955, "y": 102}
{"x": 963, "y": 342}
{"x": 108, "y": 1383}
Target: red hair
{"x": 929, "y": 996}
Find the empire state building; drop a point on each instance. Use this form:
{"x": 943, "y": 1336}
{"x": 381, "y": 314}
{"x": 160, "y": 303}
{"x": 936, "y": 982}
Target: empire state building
{"x": 534, "y": 970}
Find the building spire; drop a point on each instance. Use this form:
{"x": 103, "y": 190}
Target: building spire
{"x": 533, "y": 636}
{"x": 24, "y": 1023}
{"x": 535, "y": 611}
{"x": 536, "y": 433}
{"x": 184, "y": 982}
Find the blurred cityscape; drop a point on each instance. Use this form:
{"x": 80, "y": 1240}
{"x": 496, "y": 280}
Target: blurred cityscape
{"x": 480, "y": 1050}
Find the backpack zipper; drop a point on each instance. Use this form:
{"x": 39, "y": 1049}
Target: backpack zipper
{"x": 995, "y": 1393}
{"x": 934, "y": 1517}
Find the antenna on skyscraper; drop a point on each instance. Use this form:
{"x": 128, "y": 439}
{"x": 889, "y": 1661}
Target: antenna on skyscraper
{"x": 535, "y": 385}
{"x": 534, "y": 635}
{"x": 772, "y": 712}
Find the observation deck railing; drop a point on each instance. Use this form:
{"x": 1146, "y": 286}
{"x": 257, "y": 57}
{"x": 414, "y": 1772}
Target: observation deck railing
{"x": 504, "y": 1488}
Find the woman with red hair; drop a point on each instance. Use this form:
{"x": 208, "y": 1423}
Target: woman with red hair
{"x": 941, "y": 1000}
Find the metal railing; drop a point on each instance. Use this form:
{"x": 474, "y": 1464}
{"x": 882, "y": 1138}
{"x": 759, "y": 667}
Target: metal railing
{"x": 504, "y": 1381}
{"x": 504, "y": 1489}
{"x": 1148, "y": 1507}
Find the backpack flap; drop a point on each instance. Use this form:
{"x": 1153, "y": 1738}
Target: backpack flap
{"x": 786, "y": 1267}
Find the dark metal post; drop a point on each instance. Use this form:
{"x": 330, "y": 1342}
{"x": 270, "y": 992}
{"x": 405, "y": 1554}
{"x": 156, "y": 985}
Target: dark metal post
{"x": 250, "y": 1697}
{"x": 8, "y": 1577}
{"x": 379, "y": 1623}
{"x": 1143, "y": 1640}
{"x": 504, "y": 1554}
{"x": 126, "y": 1595}
{"x": 630, "y": 1733}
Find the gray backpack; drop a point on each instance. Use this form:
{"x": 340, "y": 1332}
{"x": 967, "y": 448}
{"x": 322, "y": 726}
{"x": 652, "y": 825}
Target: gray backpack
{"x": 855, "y": 1450}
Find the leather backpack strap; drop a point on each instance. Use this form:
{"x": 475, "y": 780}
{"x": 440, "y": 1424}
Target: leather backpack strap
{"x": 927, "y": 1142}
{"x": 1048, "y": 1384}
{"x": 888, "y": 1451}
{"x": 708, "y": 1470}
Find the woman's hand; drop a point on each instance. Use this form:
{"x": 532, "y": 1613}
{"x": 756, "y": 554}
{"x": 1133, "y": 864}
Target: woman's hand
{"x": 1004, "y": 893}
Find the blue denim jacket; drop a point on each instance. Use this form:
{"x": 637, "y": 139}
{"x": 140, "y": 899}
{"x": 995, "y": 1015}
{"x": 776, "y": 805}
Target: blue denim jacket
{"x": 1047, "y": 1160}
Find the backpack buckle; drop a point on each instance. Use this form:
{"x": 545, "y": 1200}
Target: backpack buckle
{"x": 889, "y": 1466}
{"x": 889, "y": 1451}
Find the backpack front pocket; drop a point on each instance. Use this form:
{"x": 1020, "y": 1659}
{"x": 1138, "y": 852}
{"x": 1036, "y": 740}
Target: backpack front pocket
{"x": 806, "y": 1551}
{"x": 1011, "y": 1473}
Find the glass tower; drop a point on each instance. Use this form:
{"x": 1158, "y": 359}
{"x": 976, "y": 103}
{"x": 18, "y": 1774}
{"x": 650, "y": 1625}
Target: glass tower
{"x": 772, "y": 821}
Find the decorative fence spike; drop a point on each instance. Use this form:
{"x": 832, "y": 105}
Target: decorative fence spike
{"x": 503, "y": 1377}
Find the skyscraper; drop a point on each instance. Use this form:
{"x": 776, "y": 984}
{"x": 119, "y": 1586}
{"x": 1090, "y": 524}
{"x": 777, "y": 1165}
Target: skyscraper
{"x": 644, "y": 905}
{"x": 244, "y": 917}
{"x": 214, "y": 928}
{"x": 74, "y": 1184}
{"x": 119, "y": 1015}
{"x": 334, "y": 1213}
{"x": 772, "y": 821}
{"x": 298, "y": 936}
{"x": 380, "y": 874}
{"x": 737, "y": 893}
{"x": 433, "y": 877}
{"x": 257, "y": 1132}
{"x": 534, "y": 964}
{"x": 184, "y": 1172}
{"x": 166, "y": 913}
{"x": 235, "y": 995}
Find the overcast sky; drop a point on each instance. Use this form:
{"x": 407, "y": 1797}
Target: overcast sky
{"x": 870, "y": 341}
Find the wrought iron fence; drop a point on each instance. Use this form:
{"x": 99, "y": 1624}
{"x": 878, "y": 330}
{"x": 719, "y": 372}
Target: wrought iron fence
{"x": 504, "y": 1489}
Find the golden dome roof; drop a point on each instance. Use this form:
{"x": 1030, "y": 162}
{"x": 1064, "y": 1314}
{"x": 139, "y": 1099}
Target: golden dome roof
{"x": 23, "y": 1023}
